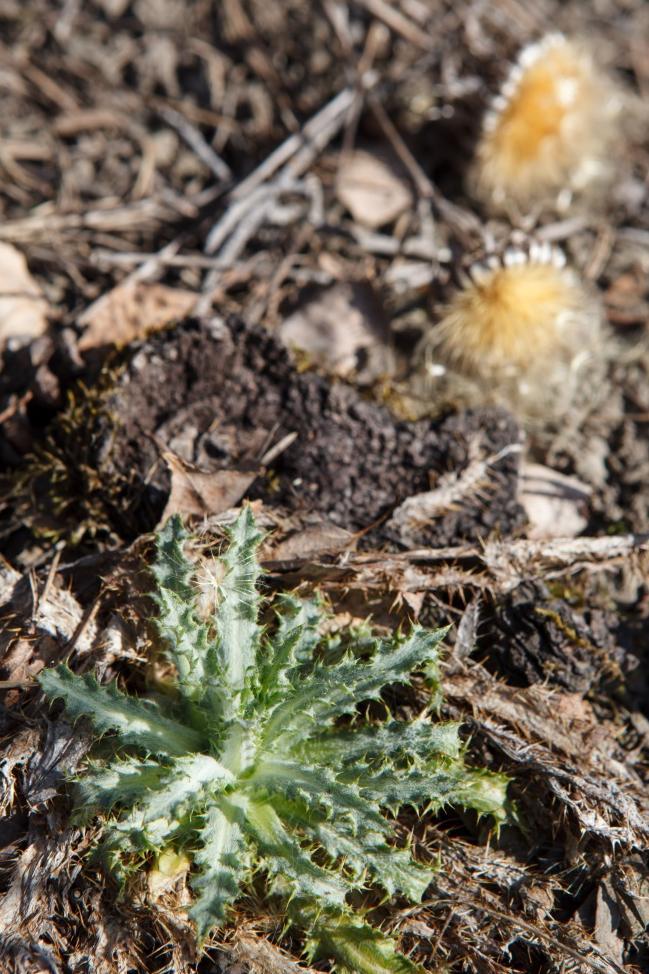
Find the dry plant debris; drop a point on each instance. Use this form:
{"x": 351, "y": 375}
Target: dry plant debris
{"x": 154, "y": 154}
{"x": 371, "y": 190}
{"x": 130, "y": 311}
{"x": 23, "y": 310}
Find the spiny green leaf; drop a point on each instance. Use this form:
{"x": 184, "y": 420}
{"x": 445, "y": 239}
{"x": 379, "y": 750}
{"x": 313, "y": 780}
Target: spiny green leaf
{"x": 334, "y": 690}
{"x": 317, "y": 786}
{"x": 305, "y": 817}
{"x": 434, "y": 788}
{"x": 138, "y": 722}
{"x": 121, "y": 782}
{"x": 172, "y": 570}
{"x": 285, "y": 857}
{"x": 160, "y": 813}
{"x": 414, "y": 741}
{"x": 236, "y": 622}
{"x": 356, "y": 946}
{"x": 393, "y": 869}
{"x": 363, "y": 850}
{"x": 187, "y": 640}
{"x": 296, "y": 638}
{"x": 307, "y": 615}
{"x": 222, "y": 864}
{"x": 485, "y": 792}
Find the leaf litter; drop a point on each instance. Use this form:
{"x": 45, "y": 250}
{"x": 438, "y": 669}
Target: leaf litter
{"x": 201, "y": 152}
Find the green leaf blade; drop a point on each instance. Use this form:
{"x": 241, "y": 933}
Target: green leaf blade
{"x": 435, "y": 788}
{"x": 222, "y": 864}
{"x": 335, "y": 690}
{"x": 357, "y": 947}
{"x": 285, "y": 857}
{"x": 159, "y": 814}
{"x": 363, "y": 849}
{"x": 321, "y": 788}
{"x": 415, "y": 741}
{"x": 186, "y": 639}
{"x": 237, "y": 626}
{"x": 122, "y": 782}
{"x": 137, "y": 722}
{"x": 295, "y": 640}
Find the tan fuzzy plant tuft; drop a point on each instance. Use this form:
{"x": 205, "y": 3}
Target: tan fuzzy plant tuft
{"x": 522, "y": 330}
{"x": 550, "y": 130}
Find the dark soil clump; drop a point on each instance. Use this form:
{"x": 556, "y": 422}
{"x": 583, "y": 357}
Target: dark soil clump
{"x": 219, "y": 398}
{"x": 536, "y": 638}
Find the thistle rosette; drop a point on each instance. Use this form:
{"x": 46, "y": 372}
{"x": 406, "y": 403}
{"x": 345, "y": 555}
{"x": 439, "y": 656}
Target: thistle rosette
{"x": 261, "y": 759}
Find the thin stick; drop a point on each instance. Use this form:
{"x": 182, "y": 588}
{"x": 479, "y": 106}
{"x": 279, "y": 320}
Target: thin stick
{"x": 465, "y": 224}
{"x": 398, "y": 22}
{"x": 109, "y": 258}
{"x": 51, "y": 573}
{"x": 195, "y": 141}
{"x": 86, "y": 619}
{"x": 322, "y": 121}
{"x": 13, "y": 407}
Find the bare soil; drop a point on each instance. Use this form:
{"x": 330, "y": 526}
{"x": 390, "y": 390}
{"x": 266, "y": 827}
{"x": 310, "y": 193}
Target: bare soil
{"x": 221, "y": 400}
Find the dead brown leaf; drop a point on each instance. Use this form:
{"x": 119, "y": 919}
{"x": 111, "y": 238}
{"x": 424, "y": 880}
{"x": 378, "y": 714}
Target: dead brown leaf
{"x": 311, "y": 543}
{"x": 23, "y": 309}
{"x": 607, "y": 922}
{"x": 555, "y": 504}
{"x": 195, "y": 491}
{"x": 131, "y": 311}
{"x": 371, "y": 187}
{"x": 343, "y": 330}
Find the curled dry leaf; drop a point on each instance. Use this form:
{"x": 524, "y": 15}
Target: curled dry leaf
{"x": 341, "y": 329}
{"x": 131, "y": 311}
{"x": 23, "y": 310}
{"x": 554, "y": 503}
{"x": 195, "y": 491}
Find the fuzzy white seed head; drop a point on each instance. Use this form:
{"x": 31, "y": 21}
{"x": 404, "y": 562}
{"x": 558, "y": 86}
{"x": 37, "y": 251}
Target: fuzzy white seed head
{"x": 516, "y": 329}
{"x": 209, "y": 576}
{"x": 551, "y": 128}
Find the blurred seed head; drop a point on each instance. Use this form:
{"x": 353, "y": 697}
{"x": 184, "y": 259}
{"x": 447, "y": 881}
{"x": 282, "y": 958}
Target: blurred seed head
{"x": 550, "y": 131}
{"x": 521, "y": 330}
